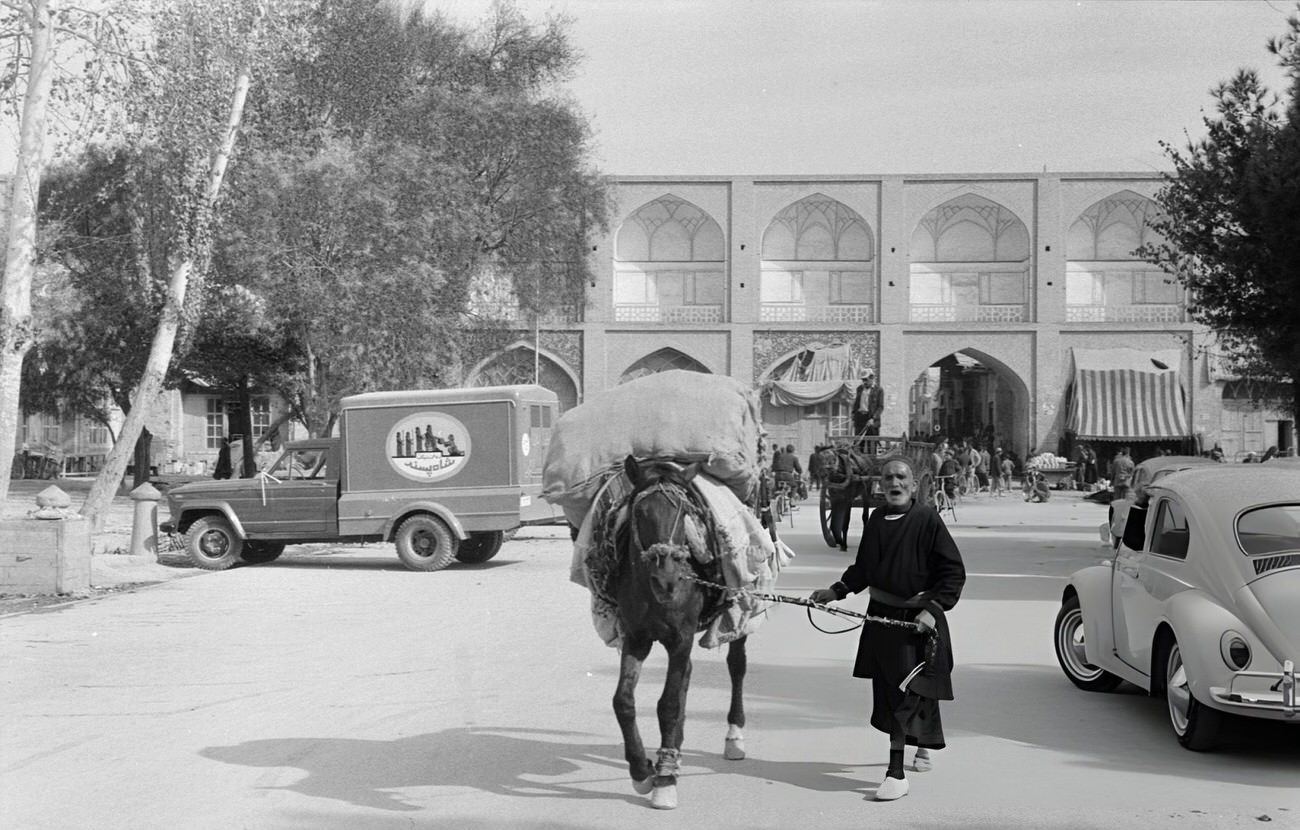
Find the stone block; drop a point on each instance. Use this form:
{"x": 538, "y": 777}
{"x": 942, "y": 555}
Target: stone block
{"x": 40, "y": 556}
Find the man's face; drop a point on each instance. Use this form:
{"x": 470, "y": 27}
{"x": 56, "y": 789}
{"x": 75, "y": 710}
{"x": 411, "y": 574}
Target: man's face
{"x": 897, "y": 482}
{"x": 869, "y": 381}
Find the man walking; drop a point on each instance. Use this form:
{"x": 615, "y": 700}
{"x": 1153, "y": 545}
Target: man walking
{"x": 914, "y": 572}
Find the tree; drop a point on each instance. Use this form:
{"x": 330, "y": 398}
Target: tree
{"x": 41, "y": 79}
{"x": 1232, "y": 206}
{"x": 191, "y": 109}
{"x": 402, "y": 162}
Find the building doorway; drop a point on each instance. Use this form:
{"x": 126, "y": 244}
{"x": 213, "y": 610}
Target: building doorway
{"x": 962, "y": 396}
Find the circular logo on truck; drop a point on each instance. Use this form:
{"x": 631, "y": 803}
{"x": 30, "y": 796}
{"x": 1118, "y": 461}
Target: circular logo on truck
{"x": 428, "y": 446}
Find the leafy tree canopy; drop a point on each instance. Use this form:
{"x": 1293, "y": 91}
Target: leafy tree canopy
{"x": 1232, "y": 206}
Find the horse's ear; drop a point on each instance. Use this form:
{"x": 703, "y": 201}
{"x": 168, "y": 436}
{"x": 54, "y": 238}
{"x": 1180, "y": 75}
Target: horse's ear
{"x": 632, "y": 470}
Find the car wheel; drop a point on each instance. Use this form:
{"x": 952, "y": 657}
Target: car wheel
{"x": 1195, "y": 724}
{"x": 1070, "y": 652}
{"x": 256, "y": 553}
{"x": 425, "y": 544}
{"x": 212, "y": 544}
{"x": 480, "y": 547}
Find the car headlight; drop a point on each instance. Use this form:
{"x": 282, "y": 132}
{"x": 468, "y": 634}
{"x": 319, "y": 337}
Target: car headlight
{"x": 1234, "y": 650}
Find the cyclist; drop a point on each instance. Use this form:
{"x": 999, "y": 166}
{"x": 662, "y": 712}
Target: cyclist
{"x": 788, "y": 472}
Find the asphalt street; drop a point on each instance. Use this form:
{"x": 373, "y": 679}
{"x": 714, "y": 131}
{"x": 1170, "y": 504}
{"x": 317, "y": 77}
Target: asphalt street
{"x": 335, "y": 689}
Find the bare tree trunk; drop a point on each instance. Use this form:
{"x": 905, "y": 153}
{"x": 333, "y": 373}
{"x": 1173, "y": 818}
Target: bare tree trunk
{"x": 20, "y": 255}
{"x": 160, "y": 354}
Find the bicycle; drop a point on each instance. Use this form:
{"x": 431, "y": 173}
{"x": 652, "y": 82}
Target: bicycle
{"x": 943, "y": 501}
{"x": 783, "y": 505}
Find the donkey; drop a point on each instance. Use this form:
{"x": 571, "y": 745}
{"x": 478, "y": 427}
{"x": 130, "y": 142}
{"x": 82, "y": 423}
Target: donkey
{"x": 667, "y": 544}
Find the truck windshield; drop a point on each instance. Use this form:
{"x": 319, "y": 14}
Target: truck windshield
{"x": 302, "y": 463}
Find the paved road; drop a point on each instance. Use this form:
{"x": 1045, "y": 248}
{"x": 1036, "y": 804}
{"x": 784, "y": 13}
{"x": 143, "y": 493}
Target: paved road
{"x": 342, "y": 691}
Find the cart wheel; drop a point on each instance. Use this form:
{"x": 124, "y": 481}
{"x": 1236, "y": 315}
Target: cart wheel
{"x": 824, "y": 512}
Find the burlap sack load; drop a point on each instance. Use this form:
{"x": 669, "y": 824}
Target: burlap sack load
{"x": 679, "y": 415}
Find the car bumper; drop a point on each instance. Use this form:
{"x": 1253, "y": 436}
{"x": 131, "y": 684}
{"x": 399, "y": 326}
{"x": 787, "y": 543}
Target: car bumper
{"x": 1270, "y": 694}
{"x": 167, "y": 527}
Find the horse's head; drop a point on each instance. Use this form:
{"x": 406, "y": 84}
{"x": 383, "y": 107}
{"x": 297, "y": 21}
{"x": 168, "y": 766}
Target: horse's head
{"x": 665, "y": 525}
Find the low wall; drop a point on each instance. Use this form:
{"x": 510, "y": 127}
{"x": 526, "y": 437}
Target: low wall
{"x": 44, "y": 556}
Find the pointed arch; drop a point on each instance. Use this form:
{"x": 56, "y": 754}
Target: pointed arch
{"x": 970, "y": 228}
{"x": 1112, "y": 228}
{"x": 662, "y": 360}
{"x": 818, "y": 264}
{"x": 818, "y": 228}
{"x": 669, "y": 229}
{"x": 515, "y": 364}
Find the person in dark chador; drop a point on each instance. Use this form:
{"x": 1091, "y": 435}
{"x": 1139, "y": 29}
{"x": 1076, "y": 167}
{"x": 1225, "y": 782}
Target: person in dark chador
{"x": 224, "y": 467}
{"x": 914, "y": 572}
{"x": 868, "y": 403}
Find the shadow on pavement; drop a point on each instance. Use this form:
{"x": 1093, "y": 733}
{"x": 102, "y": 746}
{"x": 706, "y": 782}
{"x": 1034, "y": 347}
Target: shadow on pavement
{"x": 515, "y": 762}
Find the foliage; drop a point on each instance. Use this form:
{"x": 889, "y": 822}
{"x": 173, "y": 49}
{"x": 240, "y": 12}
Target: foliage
{"x": 1233, "y": 207}
{"x": 399, "y": 165}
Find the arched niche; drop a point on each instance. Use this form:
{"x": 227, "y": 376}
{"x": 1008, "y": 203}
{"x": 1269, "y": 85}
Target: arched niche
{"x": 520, "y": 364}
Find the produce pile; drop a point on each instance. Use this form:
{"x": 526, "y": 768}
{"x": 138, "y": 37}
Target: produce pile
{"x": 1048, "y": 461}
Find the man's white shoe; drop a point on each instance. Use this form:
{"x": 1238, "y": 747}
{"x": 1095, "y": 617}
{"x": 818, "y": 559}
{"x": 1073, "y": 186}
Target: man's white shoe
{"x": 891, "y": 788}
{"x": 921, "y": 763}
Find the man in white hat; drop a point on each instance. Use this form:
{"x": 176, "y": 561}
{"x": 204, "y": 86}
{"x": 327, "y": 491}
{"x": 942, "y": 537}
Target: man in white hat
{"x": 868, "y": 403}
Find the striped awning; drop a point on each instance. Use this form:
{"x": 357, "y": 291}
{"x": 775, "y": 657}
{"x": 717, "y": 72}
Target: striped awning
{"x": 1127, "y": 395}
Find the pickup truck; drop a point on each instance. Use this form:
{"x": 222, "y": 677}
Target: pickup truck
{"x": 443, "y": 474}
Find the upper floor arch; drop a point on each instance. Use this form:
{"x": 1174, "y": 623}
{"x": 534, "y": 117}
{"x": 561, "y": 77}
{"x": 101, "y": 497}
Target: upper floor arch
{"x": 669, "y": 229}
{"x": 1113, "y": 228}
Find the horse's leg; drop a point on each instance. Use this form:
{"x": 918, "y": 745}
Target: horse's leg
{"x": 629, "y": 671}
{"x": 734, "y": 746}
{"x": 672, "y": 719}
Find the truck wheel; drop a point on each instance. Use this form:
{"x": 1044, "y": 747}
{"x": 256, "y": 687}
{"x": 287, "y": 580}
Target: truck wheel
{"x": 480, "y": 547}
{"x": 255, "y": 553}
{"x": 212, "y": 544}
{"x": 425, "y": 544}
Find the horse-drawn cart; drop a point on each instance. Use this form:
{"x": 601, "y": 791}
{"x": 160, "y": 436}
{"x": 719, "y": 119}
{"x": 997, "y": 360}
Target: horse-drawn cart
{"x": 857, "y": 460}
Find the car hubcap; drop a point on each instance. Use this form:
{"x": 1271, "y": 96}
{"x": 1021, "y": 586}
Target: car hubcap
{"x": 424, "y": 544}
{"x": 214, "y": 543}
{"x": 1072, "y": 647}
{"x": 1177, "y": 692}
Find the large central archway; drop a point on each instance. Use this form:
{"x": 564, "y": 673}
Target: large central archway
{"x": 968, "y": 394}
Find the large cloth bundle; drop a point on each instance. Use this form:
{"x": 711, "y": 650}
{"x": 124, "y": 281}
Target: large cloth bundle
{"x": 678, "y": 415}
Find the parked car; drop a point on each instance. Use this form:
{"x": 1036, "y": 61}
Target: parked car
{"x": 1201, "y": 602}
{"x": 1152, "y": 469}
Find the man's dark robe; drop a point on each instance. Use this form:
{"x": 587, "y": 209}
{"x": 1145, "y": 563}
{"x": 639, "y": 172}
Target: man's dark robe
{"x": 913, "y": 563}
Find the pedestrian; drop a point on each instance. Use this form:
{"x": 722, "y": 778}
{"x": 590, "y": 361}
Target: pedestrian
{"x": 1121, "y": 473}
{"x": 815, "y": 472}
{"x": 1008, "y": 469}
{"x": 868, "y": 403}
{"x": 223, "y": 468}
{"x": 913, "y": 570}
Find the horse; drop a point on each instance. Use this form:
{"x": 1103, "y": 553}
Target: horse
{"x": 846, "y": 472}
{"x": 665, "y": 546}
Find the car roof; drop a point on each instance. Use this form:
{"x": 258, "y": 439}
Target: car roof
{"x": 1174, "y": 462}
{"x": 1216, "y": 487}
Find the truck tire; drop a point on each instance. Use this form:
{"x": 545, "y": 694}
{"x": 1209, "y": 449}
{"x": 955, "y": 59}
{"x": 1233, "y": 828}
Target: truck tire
{"x": 255, "y": 553}
{"x": 425, "y": 544}
{"x": 480, "y": 546}
{"x": 212, "y": 544}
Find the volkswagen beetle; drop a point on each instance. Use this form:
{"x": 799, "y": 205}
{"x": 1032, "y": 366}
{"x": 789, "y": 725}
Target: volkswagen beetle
{"x": 1200, "y": 604}
{"x": 1152, "y": 469}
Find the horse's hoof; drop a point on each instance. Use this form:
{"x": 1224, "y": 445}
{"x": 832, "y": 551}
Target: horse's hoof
{"x": 664, "y": 798}
{"x": 644, "y": 786}
{"x": 734, "y": 749}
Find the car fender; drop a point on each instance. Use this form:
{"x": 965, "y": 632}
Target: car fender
{"x": 1199, "y": 621}
{"x": 1092, "y": 586}
{"x": 221, "y": 507}
{"x": 411, "y": 508}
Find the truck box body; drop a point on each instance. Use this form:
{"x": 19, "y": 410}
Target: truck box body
{"x": 476, "y": 452}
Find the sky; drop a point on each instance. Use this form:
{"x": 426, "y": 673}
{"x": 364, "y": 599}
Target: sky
{"x": 827, "y": 87}
{"x": 865, "y": 87}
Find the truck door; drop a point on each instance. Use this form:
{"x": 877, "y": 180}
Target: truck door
{"x": 297, "y": 500}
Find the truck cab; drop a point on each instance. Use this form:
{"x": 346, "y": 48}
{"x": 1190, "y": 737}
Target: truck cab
{"x": 444, "y": 474}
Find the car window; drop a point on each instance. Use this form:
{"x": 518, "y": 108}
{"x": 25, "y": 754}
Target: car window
{"x": 299, "y": 464}
{"x": 1170, "y": 535}
{"x": 1269, "y": 529}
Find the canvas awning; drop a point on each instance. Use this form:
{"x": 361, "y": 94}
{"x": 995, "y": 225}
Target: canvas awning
{"x": 1127, "y": 395}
